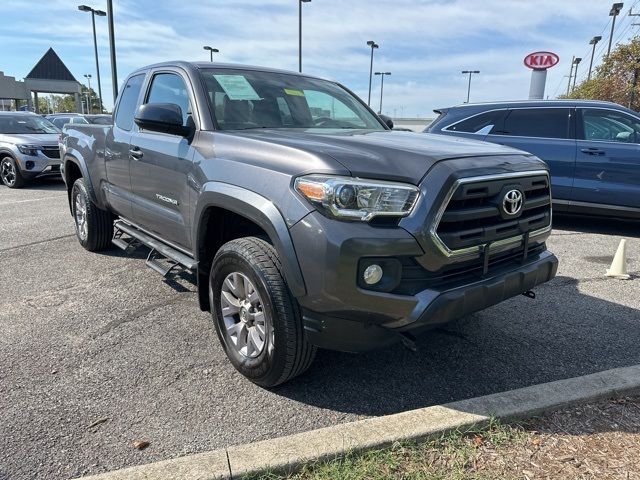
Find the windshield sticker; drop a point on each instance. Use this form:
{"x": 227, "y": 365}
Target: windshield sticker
{"x": 295, "y": 93}
{"x": 237, "y": 87}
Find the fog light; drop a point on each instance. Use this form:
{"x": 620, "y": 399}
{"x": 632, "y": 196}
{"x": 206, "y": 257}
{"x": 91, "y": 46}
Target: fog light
{"x": 372, "y": 274}
{"x": 29, "y": 165}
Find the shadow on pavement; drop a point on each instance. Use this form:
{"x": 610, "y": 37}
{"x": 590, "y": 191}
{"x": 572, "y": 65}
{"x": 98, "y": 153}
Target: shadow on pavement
{"x": 561, "y": 334}
{"x": 606, "y": 226}
{"x": 45, "y": 184}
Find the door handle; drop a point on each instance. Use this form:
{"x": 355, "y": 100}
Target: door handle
{"x": 135, "y": 153}
{"x": 592, "y": 151}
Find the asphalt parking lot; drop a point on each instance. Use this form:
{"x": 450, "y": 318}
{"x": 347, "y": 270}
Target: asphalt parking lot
{"x": 96, "y": 351}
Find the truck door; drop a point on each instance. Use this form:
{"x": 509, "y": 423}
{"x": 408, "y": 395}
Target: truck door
{"x": 608, "y": 166}
{"x": 161, "y": 163}
{"x": 118, "y": 185}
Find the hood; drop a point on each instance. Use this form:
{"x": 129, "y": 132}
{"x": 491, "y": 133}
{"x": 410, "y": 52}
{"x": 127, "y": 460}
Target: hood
{"x": 30, "y": 139}
{"x": 387, "y": 154}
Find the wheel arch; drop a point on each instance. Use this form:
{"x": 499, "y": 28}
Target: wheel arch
{"x": 73, "y": 168}
{"x": 254, "y": 208}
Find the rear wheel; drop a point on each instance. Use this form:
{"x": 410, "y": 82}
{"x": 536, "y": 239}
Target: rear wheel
{"x": 257, "y": 319}
{"x": 94, "y": 227}
{"x": 10, "y": 173}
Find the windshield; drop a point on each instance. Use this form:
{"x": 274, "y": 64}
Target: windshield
{"x": 31, "y": 124}
{"x": 244, "y": 99}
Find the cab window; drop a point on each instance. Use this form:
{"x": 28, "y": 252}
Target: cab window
{"x": 170, "y": 88}
{"x": 128, "y": 102}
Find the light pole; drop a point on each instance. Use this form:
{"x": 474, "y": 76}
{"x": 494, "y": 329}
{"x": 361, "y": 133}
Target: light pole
{"x": 300, "y": 2}
{"x": 576, "y": 62}
{"x": 614, "y": 12}
{"x": 573, "y": 61}
{"x": 594, "y": 41}
{"x": 88, "y": 77}
{"x": 112, "y": 50}
{"x": 100, "y": 13}
{"x": 373, "y": 46}
{"x": 469, "y": 72}
{"x": 382, "y": 74}
{"x": 211, "y": 51}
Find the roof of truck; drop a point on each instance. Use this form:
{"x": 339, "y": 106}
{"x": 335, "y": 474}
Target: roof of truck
{"x": 230, "y": 66}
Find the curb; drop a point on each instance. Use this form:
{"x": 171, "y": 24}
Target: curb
{"x": 288, "y": 453}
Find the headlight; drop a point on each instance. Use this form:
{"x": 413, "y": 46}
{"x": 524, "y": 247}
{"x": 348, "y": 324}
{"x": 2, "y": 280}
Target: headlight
{"x": 357, "y": 199}
{"x": 31, "y": 150}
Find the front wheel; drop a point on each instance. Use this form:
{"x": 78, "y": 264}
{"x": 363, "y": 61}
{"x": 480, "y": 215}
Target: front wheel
{"x": 94, "y": 227}
{"x": 257, "y": 319}
{"x": 10, "y": 173}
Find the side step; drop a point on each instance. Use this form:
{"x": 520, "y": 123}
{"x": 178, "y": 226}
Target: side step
{"x": 159, "y": 250}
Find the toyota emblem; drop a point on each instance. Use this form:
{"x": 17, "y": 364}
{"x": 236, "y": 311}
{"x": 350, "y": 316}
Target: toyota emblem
{"x": 512, "y": 202}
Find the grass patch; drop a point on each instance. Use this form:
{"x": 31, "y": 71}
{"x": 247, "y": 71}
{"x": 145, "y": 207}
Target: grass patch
{"x": 452, "y": 456}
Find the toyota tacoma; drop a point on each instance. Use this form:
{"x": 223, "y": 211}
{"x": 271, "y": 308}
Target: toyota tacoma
{"x": 307, "y": 221}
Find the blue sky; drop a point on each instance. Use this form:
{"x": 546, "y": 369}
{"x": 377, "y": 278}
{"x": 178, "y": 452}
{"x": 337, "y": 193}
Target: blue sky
{"x": 424, "y": 43}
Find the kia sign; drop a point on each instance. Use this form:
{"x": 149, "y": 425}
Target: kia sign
{"x": 541, "y": 60}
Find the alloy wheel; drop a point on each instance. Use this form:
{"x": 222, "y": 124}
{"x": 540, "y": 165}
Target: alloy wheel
{"x": 80, "y": 211}
{"x": 243, "y": 313}
{"x": 8, "y": 172}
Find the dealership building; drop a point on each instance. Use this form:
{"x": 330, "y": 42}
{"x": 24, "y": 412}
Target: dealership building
{"x": 49, "y": 75}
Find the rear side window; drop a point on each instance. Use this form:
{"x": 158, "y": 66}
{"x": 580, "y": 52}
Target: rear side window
{"x": 128, "y": 102}
{"x": 482, "y": 123}
{"x": 537, "y": 122}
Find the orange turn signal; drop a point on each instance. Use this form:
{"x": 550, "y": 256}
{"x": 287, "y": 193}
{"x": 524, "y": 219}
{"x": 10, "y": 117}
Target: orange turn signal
{"x": 313, "y": 191}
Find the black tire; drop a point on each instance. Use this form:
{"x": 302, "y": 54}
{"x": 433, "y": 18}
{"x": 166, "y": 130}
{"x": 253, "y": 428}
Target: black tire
{"x": 10, "y": 173}
{"x": 286, "y": 352}
{"x": 99, "y": 223}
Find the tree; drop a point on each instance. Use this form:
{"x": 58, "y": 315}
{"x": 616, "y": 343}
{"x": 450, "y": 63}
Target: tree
{"x": 616, "y": 79}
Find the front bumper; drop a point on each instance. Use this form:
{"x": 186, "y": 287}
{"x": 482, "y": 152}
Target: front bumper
{"x": 339, "y": 315}
{"x": 33, "y": 166}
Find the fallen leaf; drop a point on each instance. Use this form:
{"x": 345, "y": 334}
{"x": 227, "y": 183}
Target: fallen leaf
{"x": 536, "y": 441}
{"x": 478, "y": 441}
{"x": 141, "y": 444}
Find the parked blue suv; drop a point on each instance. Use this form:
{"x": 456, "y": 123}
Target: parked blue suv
{"x": 591, "y": 147}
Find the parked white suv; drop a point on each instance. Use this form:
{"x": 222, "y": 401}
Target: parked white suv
{"x": 28, "y": 148}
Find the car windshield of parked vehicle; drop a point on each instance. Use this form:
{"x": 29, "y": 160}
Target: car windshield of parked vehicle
{"x": 244, "y": 99}
{"x": 21, "y": 124}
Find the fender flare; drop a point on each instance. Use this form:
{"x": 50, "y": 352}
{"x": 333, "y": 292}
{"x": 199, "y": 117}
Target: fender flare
{"x": 262, "y": 212}
{"x": 69, "y": 158}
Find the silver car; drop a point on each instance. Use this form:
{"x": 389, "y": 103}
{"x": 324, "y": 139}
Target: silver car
{"x": 28, "y": 148}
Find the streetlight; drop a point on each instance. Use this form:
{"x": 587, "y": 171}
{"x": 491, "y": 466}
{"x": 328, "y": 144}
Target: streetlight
{"x": 576, "y": 62}
{"x": 112, "y": 50}
{"x": 382, "y": 74}
{"x": 373, "y": 45}
{"x": 300, "y": 2}
{"x": 100, "y": 13}
{"x": 211, "y": 51}
{"x": 593, "y": 42}
{"x": 614, "y": 12}
{"x": 88, "y": 77}
{"x": 469, "y": 72}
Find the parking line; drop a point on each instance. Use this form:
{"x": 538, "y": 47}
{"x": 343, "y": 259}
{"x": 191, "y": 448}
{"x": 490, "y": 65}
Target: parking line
{"x": 29, "y": 200}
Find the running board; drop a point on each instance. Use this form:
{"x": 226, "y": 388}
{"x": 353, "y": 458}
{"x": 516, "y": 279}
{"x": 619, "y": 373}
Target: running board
{"x": 159, "y": 250}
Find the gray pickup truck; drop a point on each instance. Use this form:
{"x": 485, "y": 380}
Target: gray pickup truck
{"x": 307, "y": 221}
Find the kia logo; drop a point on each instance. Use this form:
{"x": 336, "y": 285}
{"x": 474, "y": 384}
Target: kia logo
{"x": 541, "y": 60}
{"x": 512, "y": 202}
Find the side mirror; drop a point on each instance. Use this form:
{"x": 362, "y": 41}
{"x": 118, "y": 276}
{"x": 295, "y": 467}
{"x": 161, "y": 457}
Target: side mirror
{"x": 387, "y": 120}
{"x": 161, "y": 117}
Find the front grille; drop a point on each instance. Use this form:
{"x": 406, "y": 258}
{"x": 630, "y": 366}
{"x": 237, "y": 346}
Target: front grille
{"x": 474, "y": 215}
{"x": 51, "y": 152}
